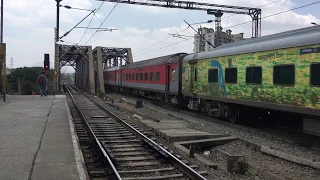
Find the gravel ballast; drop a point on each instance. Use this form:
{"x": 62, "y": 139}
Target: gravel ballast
{"x": 269, "y": 163}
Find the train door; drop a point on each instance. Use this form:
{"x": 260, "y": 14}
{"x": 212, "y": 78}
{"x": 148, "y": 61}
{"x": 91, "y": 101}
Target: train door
{"x": 168, "y": 78}
{"x": 117, "y": 80}
{"x": 194, "y": 77}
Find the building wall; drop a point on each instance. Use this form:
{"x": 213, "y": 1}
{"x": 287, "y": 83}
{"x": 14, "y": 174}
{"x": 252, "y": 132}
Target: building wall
{"x": 209, "y": 34}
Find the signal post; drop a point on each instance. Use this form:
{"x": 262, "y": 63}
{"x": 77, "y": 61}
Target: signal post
{"x": 46, "y": 68}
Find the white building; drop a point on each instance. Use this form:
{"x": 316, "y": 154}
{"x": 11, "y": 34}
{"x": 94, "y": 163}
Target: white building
{"x": 201, "y": 45}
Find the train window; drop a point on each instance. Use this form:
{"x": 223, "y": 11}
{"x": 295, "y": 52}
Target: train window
{"x": 283, "y": 75}
{"x": 151, "y": 76}
{"x": 195, "y": 74}
{"x": 146, "y": 76}
{"x": 315, "y": 74}
{"x": 254, "y": 75}
{"x": 212, "y": 75}
{"x": 173, "y": 75}
{"x": 157, "y": 76}
{"x": 141, "y": 76}
{"x": 126, "y": 76}
{"x": 231, "y": 75}
{"x": 137, "y": 76}
{"x": 186, "y": 75}
{"x": 132, "y": 76}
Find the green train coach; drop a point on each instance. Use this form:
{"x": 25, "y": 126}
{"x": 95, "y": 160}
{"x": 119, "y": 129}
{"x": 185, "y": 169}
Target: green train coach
{"x": 279, "y": 72}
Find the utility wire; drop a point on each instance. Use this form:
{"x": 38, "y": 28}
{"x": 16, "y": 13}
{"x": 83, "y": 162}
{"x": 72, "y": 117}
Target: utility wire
{"x": 91, "y": 21}
{"x": 256, "y": 7}
{"x": 164, "y": 47}
{"x": 104, "y": 20}
{"x": 65, "y": 34}
{"x": 238, "y": 25}
{"x": 195, "y": 25}
{"x": 277, "y": 13}
{"x": 160, "y": 41}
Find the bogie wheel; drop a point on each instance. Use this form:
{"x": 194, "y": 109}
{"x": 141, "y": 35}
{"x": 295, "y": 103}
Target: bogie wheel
{"x": 217, "y": 112}
{"x": 234, "y": 115}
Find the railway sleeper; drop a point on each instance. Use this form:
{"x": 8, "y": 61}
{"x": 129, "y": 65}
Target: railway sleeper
{"x": 155, "y": 177}
{"x": 122, "y": 142}
{"x": 124, "y": 145}
{"x": 140, "y": 164}
{"x": 128, "y": 149}
{"x": 116, "y": 137}
{"x": 143, "y": 171}
{"x": 136, "y": 158}
{"x": 131, "y": 153}
{"x": 114, "y": 129}
{"x": 105, "y": 134}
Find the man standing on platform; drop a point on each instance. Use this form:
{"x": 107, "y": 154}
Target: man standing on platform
{"x": 42, "y": 81}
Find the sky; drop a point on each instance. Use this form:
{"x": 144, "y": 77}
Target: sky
{"x": 29, "y": 26}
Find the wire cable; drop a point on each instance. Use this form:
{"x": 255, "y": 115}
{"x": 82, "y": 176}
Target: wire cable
{"x": 277, "y": 13}
{"x": 256, "y": 7}
{"x": 142, "y": 50}
{"x": 65, "y": 34}
{"x": 91, "y": 21}
{"x": 164, "y": 46}
{"x": 237, "y": 25}
{"x": 160, "y": 41}
{"x": 104, "y": 20}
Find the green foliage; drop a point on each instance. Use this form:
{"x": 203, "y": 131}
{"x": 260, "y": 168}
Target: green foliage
{"x": 28, "y": 79}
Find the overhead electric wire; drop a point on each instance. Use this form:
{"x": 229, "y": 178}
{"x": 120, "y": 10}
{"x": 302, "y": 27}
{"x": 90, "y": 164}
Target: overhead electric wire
{"x": 277, "y": 13}
{"x": 256, "y": 7}
{"x": 104, "y": 20}
{"x": 65, "y": 34}
{"x": 238, "y": 25}
{"x": 161, "y": 41}
{"x": 165, "y": 46}
{"x": 188, "y": 27}
{"x": 91, "y": 21}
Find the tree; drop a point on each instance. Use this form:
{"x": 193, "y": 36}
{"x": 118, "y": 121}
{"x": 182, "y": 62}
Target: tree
{"x": 28, "y": 79}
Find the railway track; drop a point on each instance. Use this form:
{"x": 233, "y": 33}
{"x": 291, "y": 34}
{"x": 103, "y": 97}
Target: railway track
{"x": 127, "y": 151}
{"x": 274, "y": 131}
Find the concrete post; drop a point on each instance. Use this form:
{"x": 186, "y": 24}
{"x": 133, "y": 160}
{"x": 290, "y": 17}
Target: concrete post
{"x": 91, "y": 70}
{"x": 130, "y": 59}
{"x": 84, "y": 73}
{"x": 77, "y": 74}
{"x": 100, "y": 70}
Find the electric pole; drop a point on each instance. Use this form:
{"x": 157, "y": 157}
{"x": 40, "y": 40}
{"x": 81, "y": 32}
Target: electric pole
{"x": 2, "y": 64}
{"x": 57, "y": 61}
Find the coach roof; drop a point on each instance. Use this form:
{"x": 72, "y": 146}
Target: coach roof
{"x": 172, "y": 58}
{"x": 294, "y": 38}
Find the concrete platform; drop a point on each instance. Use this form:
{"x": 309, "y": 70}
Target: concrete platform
{"x": 176, "y": 130}
{"x": 37, "y": 139}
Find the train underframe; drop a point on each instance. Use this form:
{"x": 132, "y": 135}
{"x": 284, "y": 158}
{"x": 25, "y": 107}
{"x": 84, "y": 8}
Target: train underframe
{"x": 233, "y": 113}
{"x": 254, "y": 116}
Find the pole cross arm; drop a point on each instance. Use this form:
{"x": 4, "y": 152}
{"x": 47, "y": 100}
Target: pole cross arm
{"x": 213, "y": 9}
{"x": 189, "y": 5}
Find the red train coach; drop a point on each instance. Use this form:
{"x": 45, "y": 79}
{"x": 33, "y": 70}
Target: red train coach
{"x": 156, "y": 78}
{"x": 111, "y": 77}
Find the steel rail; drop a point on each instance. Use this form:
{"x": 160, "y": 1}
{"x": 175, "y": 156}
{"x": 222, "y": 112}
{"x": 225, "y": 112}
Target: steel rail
{"x": 92, "y": 133}
{"x": 191, "y": 173}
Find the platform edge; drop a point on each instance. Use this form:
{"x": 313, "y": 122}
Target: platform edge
{"x": 83, "y": 175}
